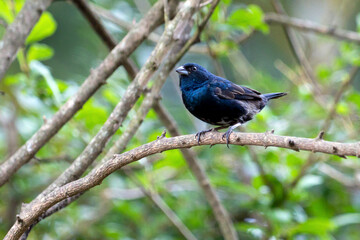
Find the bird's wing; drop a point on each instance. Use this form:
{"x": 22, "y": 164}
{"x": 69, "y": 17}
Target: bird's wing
{"x": 228, "y": 90}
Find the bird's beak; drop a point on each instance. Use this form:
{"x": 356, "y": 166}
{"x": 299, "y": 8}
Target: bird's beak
{"x": 182, "y": 71}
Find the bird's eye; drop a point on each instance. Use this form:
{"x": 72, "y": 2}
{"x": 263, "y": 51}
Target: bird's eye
{"x": 194, "y": 68}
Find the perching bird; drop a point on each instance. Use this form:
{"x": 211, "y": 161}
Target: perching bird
{"x": 218, "y": 101}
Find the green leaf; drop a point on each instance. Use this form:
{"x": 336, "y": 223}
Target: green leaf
{"x": 248, "y": 19}
{"x": 354, "y": 98}
{"x": 44, "y": 28}
{"x": 315, "y": 226}
{"x": 92, "y": 115}
{"x": 39, "y": 52}
{"x": 5, "y": 12}
{"x": 6, "y": 9}
{"x": 342, "y": 108}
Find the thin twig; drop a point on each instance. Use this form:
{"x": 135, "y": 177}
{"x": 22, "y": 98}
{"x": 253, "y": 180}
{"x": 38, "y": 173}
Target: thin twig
{"x": 310, "y": 26}
{"x": 298, "y": 51}
{"x": 326, "y": 125}
{"x": 344, "y": 86}
{"x": 338, "y": 176}
{"x": 106, "y": 14}
{"x": 161, "y": 204}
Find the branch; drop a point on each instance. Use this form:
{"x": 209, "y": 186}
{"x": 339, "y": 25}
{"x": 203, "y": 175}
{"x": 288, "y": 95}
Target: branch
{"x": 128, "y": 26}
{"x": 106, "y": 14}
{"x": 57, "y": 207}
{"x": 16, "y": 34}
{"x": 95, "y": 80}
{"x": 161, "y": 204}
{"x": 339, "y": 176}
{"x": 33, "y": 210}
{"x": 326, "y": 125}
{"x": 344, "y": 85}
{"x": 298, "y": 51}
{"x": 310, "y": 26}
{"x": 99, "y": 28}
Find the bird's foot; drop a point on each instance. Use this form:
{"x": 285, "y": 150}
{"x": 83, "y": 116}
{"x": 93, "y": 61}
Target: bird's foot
{"x": 198, "y": 135}
{"x": 227, "y": 134}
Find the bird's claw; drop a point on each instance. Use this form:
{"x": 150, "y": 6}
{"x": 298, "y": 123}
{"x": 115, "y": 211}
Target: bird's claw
{"x": 227, "y": 136}
{"x": 198, "y": 135}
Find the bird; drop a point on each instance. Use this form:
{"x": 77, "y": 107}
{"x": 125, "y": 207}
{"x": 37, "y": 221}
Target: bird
{"x": 218, "y": 101}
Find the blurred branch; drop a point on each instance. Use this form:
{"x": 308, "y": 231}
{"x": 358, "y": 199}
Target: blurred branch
{"x": 175, "y": 186}
{"x": 106, "y": 14}
{"x": 17, "y": 32}
{"x": 261, "y": 170}
{"x": 326, "y": 125}
{"x": 65, "y": 158}
{"x": 161, "y": 204}
{"x": 338, "y": 176}
{"x": 11, "y": 131}
{"x": 298, "y": 52}
{"x": 310, "y": 26}
{"x": 99, "y": 28}
{"x": 344, "y": 86}
{"x": 3, "y": 22}
{"x": 128, "y": 26}
{"x": 95, "y": 80}
{"x": 30, "y": 212}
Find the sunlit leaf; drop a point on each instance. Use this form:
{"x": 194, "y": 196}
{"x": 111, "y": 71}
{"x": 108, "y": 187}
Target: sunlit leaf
{"x": 315, "y": 226}
{"x": 44, "y": 28}
{"x": 39, "y": 52}
{"x": 248, "y": 18}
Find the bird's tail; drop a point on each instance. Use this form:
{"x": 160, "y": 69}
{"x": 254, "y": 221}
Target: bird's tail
{"x": 274, "y": 95}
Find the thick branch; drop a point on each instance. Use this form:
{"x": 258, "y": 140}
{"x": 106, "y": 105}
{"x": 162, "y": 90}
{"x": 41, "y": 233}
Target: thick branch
{"x": 19, "y": 30}
{"x": 32, "y": 211}
{"x": 306, "y": 25}
{"x": 96, "y": 79}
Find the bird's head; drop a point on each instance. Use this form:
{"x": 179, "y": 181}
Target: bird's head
{"x": 192, "y": 72}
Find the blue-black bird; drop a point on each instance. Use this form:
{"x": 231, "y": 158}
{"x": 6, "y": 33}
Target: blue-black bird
{"x": 218, "y": 101}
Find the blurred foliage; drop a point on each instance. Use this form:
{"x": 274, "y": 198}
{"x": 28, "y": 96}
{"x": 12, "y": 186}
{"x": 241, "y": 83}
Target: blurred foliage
{"x": 58, "y": 56}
